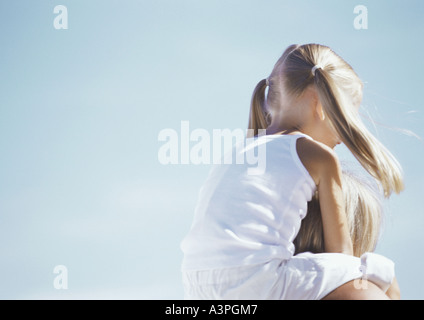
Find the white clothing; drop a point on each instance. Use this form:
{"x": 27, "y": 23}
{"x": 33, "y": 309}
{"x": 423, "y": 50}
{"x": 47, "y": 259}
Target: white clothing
{"x": 240, "y": 245}
{"x": 305, "y": 276}
{"x": 245, "y": 219}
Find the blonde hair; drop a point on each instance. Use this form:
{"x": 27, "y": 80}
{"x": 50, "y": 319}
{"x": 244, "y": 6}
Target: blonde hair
{"x": 340, "y": 93}
{"x": 364, "y": 216}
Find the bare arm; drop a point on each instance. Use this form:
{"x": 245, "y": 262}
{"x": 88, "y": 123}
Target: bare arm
{"x": 324, "y": 167}
{"x": 394, "y": 292}
{"x": 336, "y": 233}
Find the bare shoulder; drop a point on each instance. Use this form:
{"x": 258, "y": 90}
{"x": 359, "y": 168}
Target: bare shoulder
{"x": 317, "y": 158}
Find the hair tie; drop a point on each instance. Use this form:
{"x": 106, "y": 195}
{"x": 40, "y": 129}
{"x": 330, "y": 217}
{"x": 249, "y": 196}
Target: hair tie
{"x": 267, "y": 82}
{"x": 315, "y": 68}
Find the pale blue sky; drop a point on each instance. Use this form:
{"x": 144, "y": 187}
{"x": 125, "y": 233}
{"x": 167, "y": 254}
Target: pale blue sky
{"x": 81, "y": 109}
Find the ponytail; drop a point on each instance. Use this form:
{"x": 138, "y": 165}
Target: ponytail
{"x": 340, "y": 93}
{"x": 258, "y": 113}
{"x": 370, "y": 153}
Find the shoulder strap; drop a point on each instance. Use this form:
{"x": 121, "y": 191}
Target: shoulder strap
{"x": 301, "y": 134}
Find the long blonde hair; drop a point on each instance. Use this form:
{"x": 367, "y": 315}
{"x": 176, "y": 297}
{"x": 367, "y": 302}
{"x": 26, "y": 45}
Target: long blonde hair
{"x": 363, "y": 209}
{"x": 340, "y": 93}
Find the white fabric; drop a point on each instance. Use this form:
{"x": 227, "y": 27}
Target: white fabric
{"x": 245, "y": 219}
{"x": 305, "y": 276}
{"x": 240, "y": 245}
{"x": 377, "y": 269}
{"x": 315, "y": 68}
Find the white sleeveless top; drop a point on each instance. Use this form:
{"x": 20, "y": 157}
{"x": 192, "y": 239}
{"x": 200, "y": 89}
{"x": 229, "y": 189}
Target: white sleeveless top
{"x": 243, "y": 218}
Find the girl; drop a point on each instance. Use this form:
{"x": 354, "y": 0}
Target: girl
{"x": 240, "y": 245}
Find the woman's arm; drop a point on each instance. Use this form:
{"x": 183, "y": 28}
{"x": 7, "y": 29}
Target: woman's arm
{"x": 324, "y": 167}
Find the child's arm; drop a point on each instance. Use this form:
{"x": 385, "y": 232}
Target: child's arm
{"x": 334, "y": 221}
{"x": 324, "y": 167}
{"x": 394, "y": 292}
